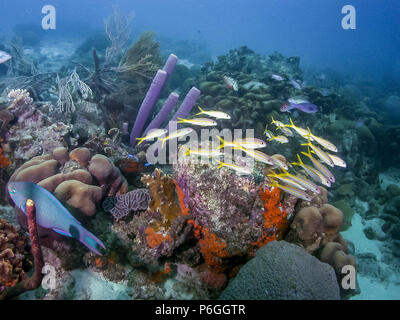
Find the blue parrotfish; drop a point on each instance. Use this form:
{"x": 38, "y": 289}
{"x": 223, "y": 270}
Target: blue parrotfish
{"x": 51, "y": 214}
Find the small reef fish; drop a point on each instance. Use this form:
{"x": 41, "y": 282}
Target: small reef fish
{"x": 176, "y": 134}
{"x": 301, "y": 131}
{"x": 4, "y": 56}
{"x": 298, "y": 193}
{"x": 51, "y": 214}
{"x": 295, "y": 84}
{"x": 286, "y": 180}
{"x": 211, "y": 153}
{"x": 277, "y": 77}
{"x": 319, "y": 166}
{"x": 231, "y": 83}
{"x": 302, "y": 183}
{"x": 281, "y": 126}
{"x": 305, "y": 183}
{"x": 323, "y": 142}
{"x": 337, "y": 161}
{"x": 313, "y": 173}
{"x": 279, "y": 163}
{"x": 214, "y": 114}
{"x": 298, "y": 100}
{"x": 271, "y": 137}
{"x": 257, "y": 155}
{"x": 203, "y": 122}
{"x": 248, "y": 143}
{"x": 321, "y": 154}
{"x": 152, "y": 135}
{"x": 239, "y": 169}
{"x": 305, "y": 107}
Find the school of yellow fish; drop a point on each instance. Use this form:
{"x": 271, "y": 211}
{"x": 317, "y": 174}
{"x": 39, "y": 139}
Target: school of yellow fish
{"x": 295, "y": 184}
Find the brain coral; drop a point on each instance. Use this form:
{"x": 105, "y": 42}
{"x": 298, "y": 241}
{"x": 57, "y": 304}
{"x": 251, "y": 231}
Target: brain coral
{"x": 284, "y": 271}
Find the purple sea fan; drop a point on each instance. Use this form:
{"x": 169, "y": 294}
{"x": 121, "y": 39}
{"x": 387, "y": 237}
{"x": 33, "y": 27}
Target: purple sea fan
{"x": 120, "y": 206}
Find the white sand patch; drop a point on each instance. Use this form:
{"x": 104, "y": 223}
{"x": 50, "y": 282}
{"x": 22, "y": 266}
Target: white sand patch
{"x": 371, "y": 288}
{"x": 93, "y": 286}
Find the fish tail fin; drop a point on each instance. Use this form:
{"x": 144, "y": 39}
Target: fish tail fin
{"x": 140, "y": 140}
{"x": 272, "y": 120}
{"x": 201, "y": 111}
{"x": 181, "y": 120}
{"x": 90, "y": 241}
{"x": 162, "y": 141}
{"x": 266, "y": 129}
{"x": 299, "y": 159}
{"x": 222, "y": 142}
{"x": 308, "y": 144}
{"x": 291, "y": 122}
{"x": 187, "y": 150}
{"x": 221, "y": 164}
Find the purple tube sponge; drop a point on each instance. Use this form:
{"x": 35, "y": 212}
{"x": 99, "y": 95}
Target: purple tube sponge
{"x": 187, "y": 104}
{"x": 147, "y": 105}
{"x": 170, "y": 64}
{"x": 166, "y": 109}
{"x": 182, "y": 112}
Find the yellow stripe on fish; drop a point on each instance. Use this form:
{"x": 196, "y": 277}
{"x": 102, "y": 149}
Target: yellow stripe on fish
{"x": 239, "y": 169}
{"x": 214, "y": 114}
{"x": 325, "y": 143}
{"x": 176, "y": 134}
{"x": 337, "y": 161}
{"x": 301, "y": 131}
{"x": 248, "y": 143}
{"x": 152, "y": 135}
{"x": 256, "y": 155}
{"x": 321, "y": 154}
{"x": 202, "y": 152}
{"x": 313, "y": 173}
{"x": 204, "y": 122}
{"x": 320, "y": 167}
{"x": 287, "y": 180}
{"x": 304, "y": 182}
{"x": 298, "y": 193}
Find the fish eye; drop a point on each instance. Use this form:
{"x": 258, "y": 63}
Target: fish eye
{"x": 13, "y": 191}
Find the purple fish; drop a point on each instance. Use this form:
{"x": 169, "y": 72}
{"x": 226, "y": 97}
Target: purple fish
{"x": 305, "y": 107}
{"x": 4, "y": 56}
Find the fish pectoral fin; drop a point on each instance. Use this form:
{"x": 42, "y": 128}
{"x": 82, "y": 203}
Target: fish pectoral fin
{"x": 62, "y": 232}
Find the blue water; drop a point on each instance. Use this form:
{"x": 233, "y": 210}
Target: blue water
{"x": 310, "y": 29}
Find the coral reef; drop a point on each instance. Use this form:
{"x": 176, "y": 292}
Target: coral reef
{"x": 120, "y": 206}
{"x": 15, "y": 260}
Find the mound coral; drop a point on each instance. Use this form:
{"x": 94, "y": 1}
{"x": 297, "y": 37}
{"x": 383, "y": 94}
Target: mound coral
{"x": 314, "y": 227}
{"x": 77, "y": 179}
{"x": 283, "y": 271}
